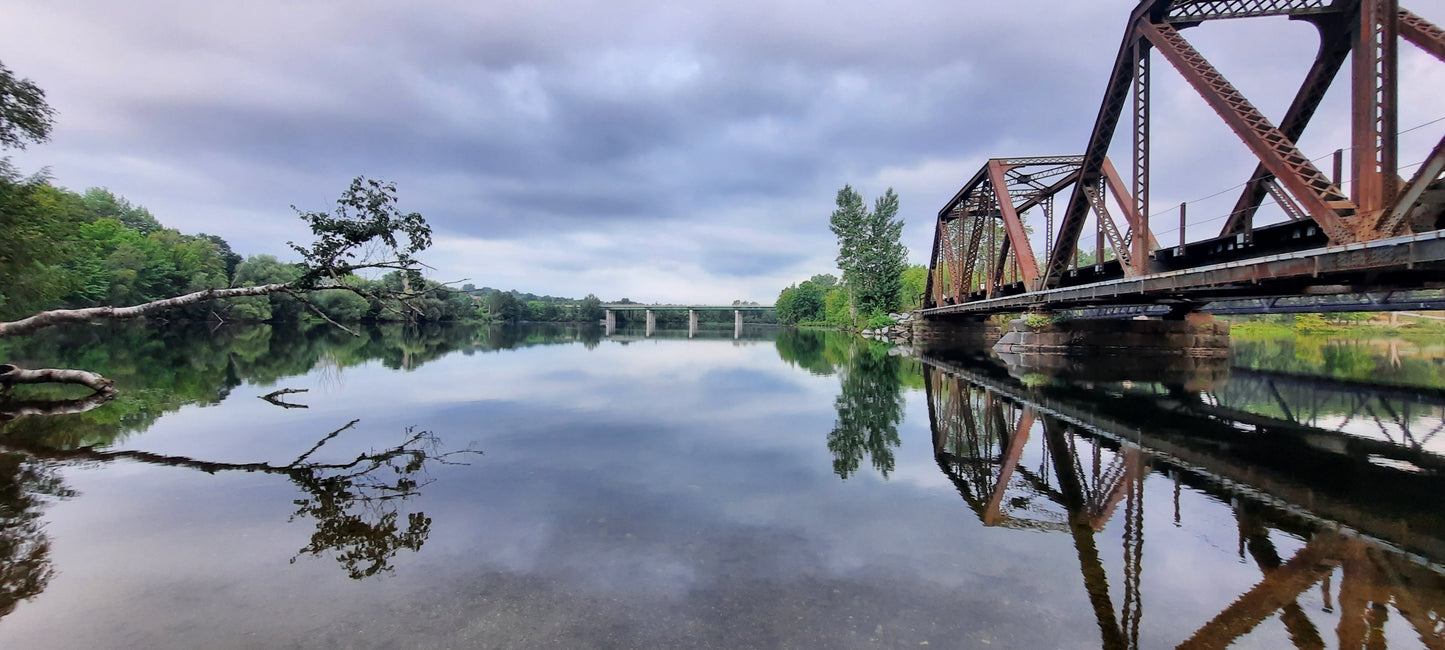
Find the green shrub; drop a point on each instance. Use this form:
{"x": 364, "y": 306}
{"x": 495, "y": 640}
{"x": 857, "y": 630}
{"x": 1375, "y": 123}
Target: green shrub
{"x": 880, "y": 320}
{"x": 1036, "y": 320}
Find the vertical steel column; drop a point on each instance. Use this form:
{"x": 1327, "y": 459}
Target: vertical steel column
{"x": 1139, "y": 256}
{"x": 1048, "y": 205}
{"x": 1181, "y": 229}
{"x": 1375, "y": 158}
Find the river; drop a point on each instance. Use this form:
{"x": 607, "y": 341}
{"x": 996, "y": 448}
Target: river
{"x": 549, "y": 486}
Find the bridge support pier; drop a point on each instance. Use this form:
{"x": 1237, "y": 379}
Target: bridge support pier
{"x": 737, "y": 323}
{"x": 609, "y": 322}
{"x": 1101, "y": 349}
{"x": 651, "y": 322}
{"x": 691, "y": 323}
{"x": 945, "y": 334}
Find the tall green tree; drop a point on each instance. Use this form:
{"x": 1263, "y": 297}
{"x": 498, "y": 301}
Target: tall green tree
{"x": 870, "y": 252}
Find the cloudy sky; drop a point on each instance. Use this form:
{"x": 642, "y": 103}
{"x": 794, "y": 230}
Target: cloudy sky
{"x": 676, "y": 152}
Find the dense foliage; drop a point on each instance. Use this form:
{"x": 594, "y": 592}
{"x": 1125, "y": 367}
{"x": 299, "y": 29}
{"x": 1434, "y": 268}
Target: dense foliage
{"x": 59, "y": 248}
{"x": 821, "y": 300}
{"x": 514, "y": 306}
{"x": 63, "y": 249}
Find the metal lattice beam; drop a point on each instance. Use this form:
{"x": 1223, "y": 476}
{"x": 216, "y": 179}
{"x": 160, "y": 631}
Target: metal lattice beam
{"x": 1189, "y": 11}
{"x": 1318, "y": 196}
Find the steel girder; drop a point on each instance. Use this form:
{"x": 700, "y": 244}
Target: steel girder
{"x": 1190, "y": 11}
{"x": 1367, "y": 30}
{"x": 964, "y": 242}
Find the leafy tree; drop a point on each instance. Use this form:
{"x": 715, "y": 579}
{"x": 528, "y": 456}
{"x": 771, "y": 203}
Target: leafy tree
{"x": 504, "y": 306}
{"x": 914, "y": 282}
{"x": 24, "y": 115}
{"x": 590, "y": 309}
{"x": 261, "y": 270}
{"x": 869, "y": 251}
{"x": 804, "y": 302}
{"x": 102, "y": 204}
{"x": 824, "y": 280}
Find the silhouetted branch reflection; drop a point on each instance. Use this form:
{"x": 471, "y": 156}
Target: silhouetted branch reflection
{"x": 25, "y": 487}
{"x": 354, "y": 503}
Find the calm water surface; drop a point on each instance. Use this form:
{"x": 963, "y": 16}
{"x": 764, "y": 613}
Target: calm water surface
{"x": 554, "y": 487}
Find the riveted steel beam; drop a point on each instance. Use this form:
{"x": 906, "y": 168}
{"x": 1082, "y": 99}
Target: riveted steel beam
{"x": 1316, "y": 194}
{"x": 1017, "y": 237}
{"x": 1336, "y": 33}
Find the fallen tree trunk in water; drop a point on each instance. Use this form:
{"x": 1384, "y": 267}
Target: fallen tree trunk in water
{"x": 62, "y": 316}
{"x": 11, "y": 375}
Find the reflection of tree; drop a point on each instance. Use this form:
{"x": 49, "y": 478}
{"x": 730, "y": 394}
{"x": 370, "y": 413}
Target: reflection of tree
{"x": 25, "y": 567}
{"x": 870, "y": 406}
{"x": 354, "y": 503}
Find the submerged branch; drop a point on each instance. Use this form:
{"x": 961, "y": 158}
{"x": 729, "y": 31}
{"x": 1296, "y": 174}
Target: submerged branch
{"x": 274, "y": 397}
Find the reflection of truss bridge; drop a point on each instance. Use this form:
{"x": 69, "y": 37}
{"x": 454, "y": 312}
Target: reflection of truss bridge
{"x": 1023, "y": 460}
{"x": 1404, "y": 416}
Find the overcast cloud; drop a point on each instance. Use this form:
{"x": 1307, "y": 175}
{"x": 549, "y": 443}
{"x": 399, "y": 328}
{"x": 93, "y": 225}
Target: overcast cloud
{"x": 683, "y": 152}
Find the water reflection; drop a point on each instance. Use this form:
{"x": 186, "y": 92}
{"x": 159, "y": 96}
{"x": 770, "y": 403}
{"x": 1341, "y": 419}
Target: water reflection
{"x": 1409, "y": 362}
{"x": 354, "y": 505}
{"x": 158, "y": 370}
{"x": 1073, "y": 458}
{"x": 870, "y": 406}
{"x": 25, "y": 567}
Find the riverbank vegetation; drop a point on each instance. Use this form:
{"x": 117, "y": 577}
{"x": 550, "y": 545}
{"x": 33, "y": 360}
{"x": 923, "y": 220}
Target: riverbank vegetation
{"x": 877, "y": 279}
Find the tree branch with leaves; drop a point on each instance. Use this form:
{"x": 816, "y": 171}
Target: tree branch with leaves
{"x": 365, "y": 231}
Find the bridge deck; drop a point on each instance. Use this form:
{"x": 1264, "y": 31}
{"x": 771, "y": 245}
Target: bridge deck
{"x": 1396, "y": 262}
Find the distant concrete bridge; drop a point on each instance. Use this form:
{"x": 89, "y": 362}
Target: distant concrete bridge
{"x": 692, "y": 310}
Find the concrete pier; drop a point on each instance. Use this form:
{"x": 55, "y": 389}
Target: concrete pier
{"x": 610, "y": 322}
{"x": 737, "y": 323}
{"x": 691, "y": 323}
{"x": 651, "y": 322}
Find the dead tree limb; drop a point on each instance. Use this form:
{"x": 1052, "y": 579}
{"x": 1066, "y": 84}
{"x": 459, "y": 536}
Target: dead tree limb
{"x": 64, "y": 316}
{"x": 11, "y": 375}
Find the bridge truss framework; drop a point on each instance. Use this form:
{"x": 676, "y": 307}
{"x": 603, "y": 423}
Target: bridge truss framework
{"x": 982, "y": 253}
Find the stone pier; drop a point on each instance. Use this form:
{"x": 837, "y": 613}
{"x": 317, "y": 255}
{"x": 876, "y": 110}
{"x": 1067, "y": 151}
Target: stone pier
{"x": 941, "y": 334}
{"x": 1197, "y": 336}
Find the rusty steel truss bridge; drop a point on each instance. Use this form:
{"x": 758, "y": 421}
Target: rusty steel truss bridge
{"x": 1377, "y": 246}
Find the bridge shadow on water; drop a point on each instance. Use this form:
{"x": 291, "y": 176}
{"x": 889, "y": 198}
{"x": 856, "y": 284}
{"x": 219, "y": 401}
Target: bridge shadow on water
{"x": 1347, "y": 475}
